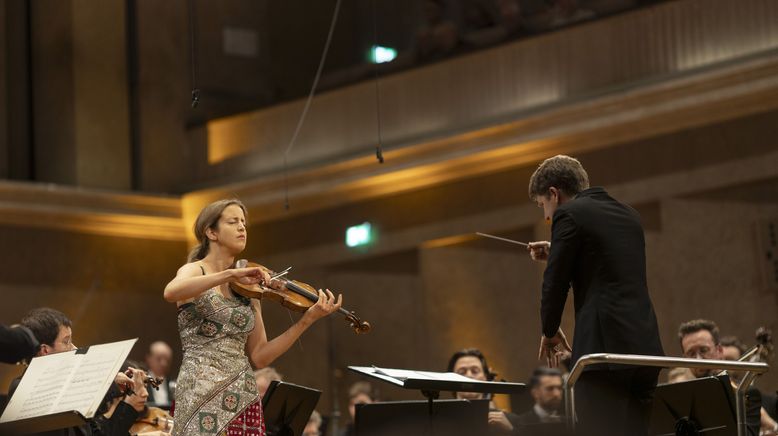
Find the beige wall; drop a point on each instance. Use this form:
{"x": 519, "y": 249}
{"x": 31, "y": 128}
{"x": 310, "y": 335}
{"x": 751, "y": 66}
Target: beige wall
{"x": 79, "y": 98}
{"x": 110, "y": 287}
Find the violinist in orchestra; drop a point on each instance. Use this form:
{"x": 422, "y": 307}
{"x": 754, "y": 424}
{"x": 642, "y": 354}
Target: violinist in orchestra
{"x": 222, "y": 333}
{"x": 117, "y": 413}
{"x": 700, "y": 339}
{"x": 597, "y": 246}
{"x": 471, "y": 363}
{"x": 360, "y": 392}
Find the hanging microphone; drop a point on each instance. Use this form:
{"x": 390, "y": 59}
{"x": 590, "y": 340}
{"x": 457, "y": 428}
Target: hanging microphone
{"x": 195, "y": 97}
{"x": 379, "y": 154}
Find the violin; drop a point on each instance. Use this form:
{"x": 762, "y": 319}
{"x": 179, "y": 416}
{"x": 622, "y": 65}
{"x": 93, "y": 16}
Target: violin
{"x": 295, "y": 295}
{"x": 763, "y": 350}
{"x": 155, "y": 420}
{"x": 151, "y": 382}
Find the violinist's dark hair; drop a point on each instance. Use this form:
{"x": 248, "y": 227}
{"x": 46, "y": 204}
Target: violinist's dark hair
{"x": 562, "y": 172}
{"x": 733, "y": 341}
{"x": 44, "y": 322}
{"x": 209, "y": 219}
{"x": 697, "y": 325}
{"x": 474, "y": 352}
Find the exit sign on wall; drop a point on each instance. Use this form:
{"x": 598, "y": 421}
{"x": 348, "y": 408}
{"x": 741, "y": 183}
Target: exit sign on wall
{"x": 359, "y": 235}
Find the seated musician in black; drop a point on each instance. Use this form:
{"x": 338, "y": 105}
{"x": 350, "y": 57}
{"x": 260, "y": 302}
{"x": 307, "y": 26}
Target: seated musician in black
{"x": 53, "y": 331}
{"x": 700, "y": 339}
{"x": 471, "y": 363}
{"x": 546, "y": 387}
{"x": 17, "y": 343}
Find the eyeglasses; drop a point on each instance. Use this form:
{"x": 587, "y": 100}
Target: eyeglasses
{"x": 699, "y": 353}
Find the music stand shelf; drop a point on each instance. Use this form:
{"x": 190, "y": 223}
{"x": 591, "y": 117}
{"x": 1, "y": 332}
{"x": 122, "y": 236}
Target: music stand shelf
{"x": 442, "y": 417}
{"x": 432, "y": 383}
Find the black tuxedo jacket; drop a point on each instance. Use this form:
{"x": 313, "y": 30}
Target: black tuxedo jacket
{"x": 597, "y": 246}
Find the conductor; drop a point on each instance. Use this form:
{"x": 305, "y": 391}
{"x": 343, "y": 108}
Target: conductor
{"x": 597, "y": 246}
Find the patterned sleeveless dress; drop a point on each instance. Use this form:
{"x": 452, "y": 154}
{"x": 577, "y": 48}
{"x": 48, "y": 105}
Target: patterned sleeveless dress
{"x": 216, "y": 392}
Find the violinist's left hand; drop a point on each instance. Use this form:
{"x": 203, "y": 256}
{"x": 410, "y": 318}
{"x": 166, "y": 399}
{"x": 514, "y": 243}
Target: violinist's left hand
{"x": 325, "y": 305}
{"x": 123, "y": 381}
{"x": 497, "y": 419}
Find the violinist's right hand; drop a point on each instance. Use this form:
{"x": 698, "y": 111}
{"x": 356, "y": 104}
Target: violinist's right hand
{"x": 538, "y": 251}
{"x": 251, "y": 275}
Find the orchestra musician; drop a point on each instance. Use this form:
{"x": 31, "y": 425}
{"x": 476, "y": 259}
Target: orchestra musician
{"x": 118, "y": 411}
{"x": 222, "y": 334}
{"x": 700, "y": 339}
{"x": 17, "y": 343}
{"x": 597, "y": 245}
{"x": 471, "y": 363}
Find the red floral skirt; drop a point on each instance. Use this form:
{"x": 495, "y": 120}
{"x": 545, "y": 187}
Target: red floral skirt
{"x": 249, "y": 423}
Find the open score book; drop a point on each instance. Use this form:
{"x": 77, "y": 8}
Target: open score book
{"x": 74, "y": 381}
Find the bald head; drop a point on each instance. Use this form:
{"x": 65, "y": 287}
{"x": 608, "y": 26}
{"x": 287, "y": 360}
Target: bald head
{"x": 159, "y": 358}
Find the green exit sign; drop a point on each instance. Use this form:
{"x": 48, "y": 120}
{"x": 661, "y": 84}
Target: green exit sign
{"x": 358, "y": 235}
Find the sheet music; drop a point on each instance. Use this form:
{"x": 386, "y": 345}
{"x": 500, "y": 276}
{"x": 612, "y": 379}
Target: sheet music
{"x": 404, "y": 374}
{"x": 436, "y": 381}
{"x": 67, "y": 381}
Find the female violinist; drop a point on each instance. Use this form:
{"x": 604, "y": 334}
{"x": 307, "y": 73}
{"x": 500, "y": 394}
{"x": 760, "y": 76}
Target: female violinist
{"x": 222, "y": 334}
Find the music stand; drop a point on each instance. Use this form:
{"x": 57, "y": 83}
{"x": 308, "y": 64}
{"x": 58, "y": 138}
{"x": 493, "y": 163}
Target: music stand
{"x": 287, "y": 408}
{"x": 431, "y": 384}
{"x": 63, "y": 390}
{"x": 450, "y": 417}
{"x": 704, "y": 406}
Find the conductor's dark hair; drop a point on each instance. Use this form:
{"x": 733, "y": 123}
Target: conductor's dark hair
{"x": 45, "y": 323}
{"x": 562, "y": 172}
{"x": 541, "y": 372}
{"x": 474, "y": 352}
{"x": 697, "y": 325}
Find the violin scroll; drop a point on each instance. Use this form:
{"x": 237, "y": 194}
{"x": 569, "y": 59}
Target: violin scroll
{"x": 152, "y": 382}
{"x": 764, "y": 340}
{"x": 359, "y": 326}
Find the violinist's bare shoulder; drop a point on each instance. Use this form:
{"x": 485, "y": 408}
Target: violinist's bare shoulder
{"x": 190, "y": 269}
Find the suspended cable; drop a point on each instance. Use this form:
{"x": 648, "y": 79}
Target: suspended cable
{"x": 193, "y": 54}
{"x": 379, "y": 154}
{"x": 308, "y": 102}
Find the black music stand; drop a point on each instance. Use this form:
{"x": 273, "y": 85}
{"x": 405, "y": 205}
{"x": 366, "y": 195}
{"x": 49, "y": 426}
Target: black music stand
{"x": 431, "y": 384}
{"x": 287, "y": 407}
{"x": 450, "y": 417}
{"x": 705, "y": 406}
